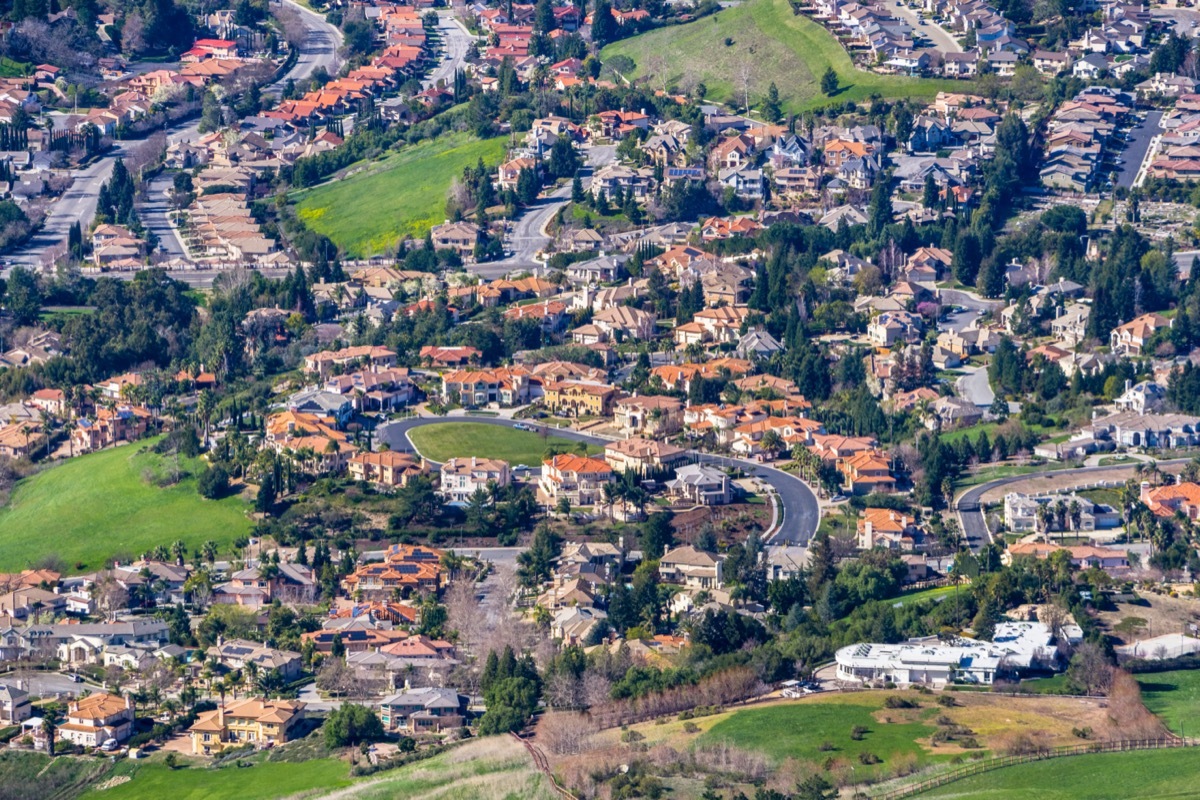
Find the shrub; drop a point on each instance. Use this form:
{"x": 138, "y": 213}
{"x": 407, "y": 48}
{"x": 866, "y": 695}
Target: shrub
{"x": 869, "y": 758}
{"x": 825, "y": 747}
{"x": 947, "y": 701}
{"x": 691, "y": 727}
{"x": 858, "y": 733}
{"x": 896, "y": 701}
{"x": 213, "y": 483}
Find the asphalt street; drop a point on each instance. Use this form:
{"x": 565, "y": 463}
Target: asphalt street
{"x": 78, "y": 204}
{"x": 455, "y": 41}
{"x": 799, "y": 509}
{"x": 528, "y": 236}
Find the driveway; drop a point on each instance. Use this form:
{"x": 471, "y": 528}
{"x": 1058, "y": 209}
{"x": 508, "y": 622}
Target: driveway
{"x": 47, "y": 684}
{"x": 799, "y": 510}
{"x": 974, "y": 387}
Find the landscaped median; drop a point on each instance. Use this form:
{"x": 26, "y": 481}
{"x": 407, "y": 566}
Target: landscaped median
{"x": 446, "y": 440}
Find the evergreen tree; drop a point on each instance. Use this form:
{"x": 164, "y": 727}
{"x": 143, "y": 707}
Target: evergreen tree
{"x": 772, "y": 110}
{"x": 829, "y": 82}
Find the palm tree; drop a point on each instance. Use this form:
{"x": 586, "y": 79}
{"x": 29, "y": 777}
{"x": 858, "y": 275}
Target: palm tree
{"x": 1043, "y": 518}
{"x": 1060, "y": 515}
{"x": 50, "y": 726}
{"x": 206, "y": 404}
{"x": 209, "y": 551}
{"x": 1075, "y": 512}
{"x": 179, "y": 550}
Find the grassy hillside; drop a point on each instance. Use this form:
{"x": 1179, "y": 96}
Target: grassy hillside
{"x": 1145, "y": 775}
{"x": 404, "y": 194}
{"x": 487, "y": 769}
{"x": 1175, "y": 698}
{"x": 89, "y": 508}
{"x": 466, "y": 439}
{"x": 774, "y": 45}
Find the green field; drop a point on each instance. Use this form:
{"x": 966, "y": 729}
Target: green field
{"x": 1145, "y": 775}
{"x": 263, "y": 781}
{"x": 90, "y": 508}
{"x": 775, "y": 45}
{"x": 800, "y": 730}
{"x": 465, "y": 439}
{"x": 404, "y": 194}
{"x": 483, "y": 769}
{"x": 1174, "y": 697}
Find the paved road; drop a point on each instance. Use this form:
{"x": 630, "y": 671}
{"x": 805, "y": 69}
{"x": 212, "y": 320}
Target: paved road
{"x": 942, "y": 41}
{"x": 970, "y": 510}
{"x": 78, "y": 204}
{"x": 1139, "y": 144}
{"x": 47, "y": 684}
{"x": 526, "y": 239}
{"x": 800, "y": 510}
{"x": 455, "y": 41}
{"x": 154, "y": 215}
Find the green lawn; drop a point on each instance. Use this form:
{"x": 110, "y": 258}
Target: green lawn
{"x": 484, "y": 769}
{"x": 799, "y": 731}
{"x": 262, "y": 781}
{"x": 1144, "y": 775}
{"x": 1174, "y": 697}
{"x": 90, "y": 508}
{"x": 778, "y": 46}
{"x": 465, "y": 439}
{"x": 930, "y": 594}
{"x": 404, "y": 194}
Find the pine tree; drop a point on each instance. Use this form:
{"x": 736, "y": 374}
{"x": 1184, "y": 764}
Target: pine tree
{"x": 829, "y": 82}
{"x": 772, "y": 111}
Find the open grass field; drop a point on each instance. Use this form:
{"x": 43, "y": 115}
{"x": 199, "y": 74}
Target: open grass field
{"x": 1145, "y": 775}
{"x": 378, "y": 203}
{"x": 1174, "y": 697}
{"x": 495, "y": 768}
{"x": 465, "y": 439}
{"x": 90, "y": 508}
{"x": 817, "y": 729}
{"x": 768, "y": 43}
{"x": 263, "y": 781}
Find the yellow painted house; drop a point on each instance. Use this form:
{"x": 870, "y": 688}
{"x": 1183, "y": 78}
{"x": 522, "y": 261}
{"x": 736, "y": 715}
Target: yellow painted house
{"x": 580, "y": 398}
{"x": 252, "y": 721}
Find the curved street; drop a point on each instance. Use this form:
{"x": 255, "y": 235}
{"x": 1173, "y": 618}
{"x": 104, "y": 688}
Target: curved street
{"x": 800, "y": 513}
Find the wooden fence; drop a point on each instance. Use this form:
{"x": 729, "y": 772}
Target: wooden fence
{"x": 539, "y": 760}
{"x": 989, "y": 764}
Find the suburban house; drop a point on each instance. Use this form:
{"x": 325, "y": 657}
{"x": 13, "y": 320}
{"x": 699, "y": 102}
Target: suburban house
{"x": 1021, "y": 513}
{"x": 574, "y": 398}
{"x": 404, "y": 570}
{"x": 324, "y": 362}
{"x": 701, "y": 484}
{"x": 462, "y": 477}
{"x": 579, "y": 479}
{"x": 241, "y": 653}
{"x": 648, "y": 415}
{"x": 14, "y": 705}
{"x": 688, "y": 566}
{"x": 641, "y": 455}
{"x": 883, "y": 527}
{"x": 867, "y": 472}
{"x": 1014, "y": 646}
{"x": 424, "y": 710}
{"x": 387, "y": 469}
{"x": 1166, "y": 501}
{"x": 1130, "y": 338}
{"x": 93, "y": 720}
{"x": 261, "y": 723}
